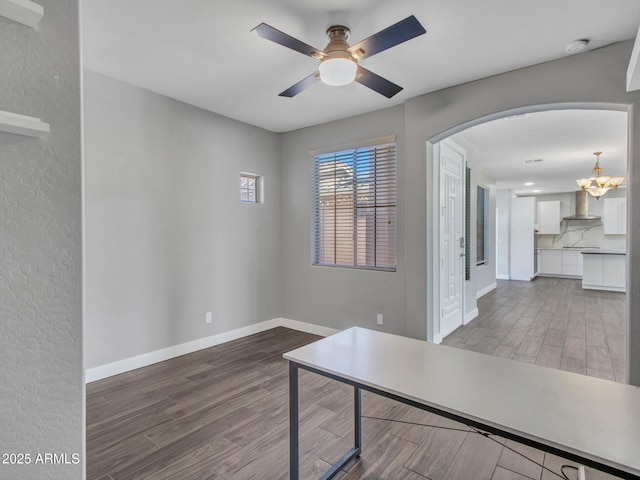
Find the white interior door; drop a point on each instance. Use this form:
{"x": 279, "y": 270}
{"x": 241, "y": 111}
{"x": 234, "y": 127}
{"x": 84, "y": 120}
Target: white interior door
{"x": 452, "y": 171}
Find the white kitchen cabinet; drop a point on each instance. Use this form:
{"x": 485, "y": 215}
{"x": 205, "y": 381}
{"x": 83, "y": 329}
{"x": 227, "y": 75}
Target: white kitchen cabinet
{"x": 572, "y": 263}
{"x": 615, "y": 216}
{"x": 549, "y": 217}
{"x": 615, "y": 271}
{"x": 604, "y": 272}
{"x": 550, "y": 262}
{"x": 521, "y": 238}
{"x": 558, "y": 262}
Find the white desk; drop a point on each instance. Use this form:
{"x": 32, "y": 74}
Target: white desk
{"x": 588, "y": 420}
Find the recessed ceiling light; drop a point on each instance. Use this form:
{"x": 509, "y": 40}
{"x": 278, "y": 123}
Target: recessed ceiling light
{"x": 537, "y": 191}
{"x": 577, "y": 46}
{"x": 528, "y": 184}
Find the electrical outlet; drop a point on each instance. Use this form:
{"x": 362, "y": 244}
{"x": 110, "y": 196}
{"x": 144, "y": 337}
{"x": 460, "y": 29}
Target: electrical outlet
{"x": 208, "y": 318}
{"x": 379, "y": 319}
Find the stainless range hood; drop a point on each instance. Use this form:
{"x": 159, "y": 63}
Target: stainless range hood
{"x": 582, "y": 208}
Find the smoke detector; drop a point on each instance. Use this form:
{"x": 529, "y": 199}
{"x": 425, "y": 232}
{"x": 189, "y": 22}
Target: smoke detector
{"x": 577, "y": 46}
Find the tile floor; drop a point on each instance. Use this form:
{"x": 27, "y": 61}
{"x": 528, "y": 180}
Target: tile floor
{"x": 551, "y": 322}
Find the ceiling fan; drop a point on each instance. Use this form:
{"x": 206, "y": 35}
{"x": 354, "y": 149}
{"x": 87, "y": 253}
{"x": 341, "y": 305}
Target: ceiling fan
{"x": 339, "y": 61}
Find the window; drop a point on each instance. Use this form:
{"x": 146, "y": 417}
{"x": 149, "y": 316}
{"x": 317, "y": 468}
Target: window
{"x": 354, "y": 208}
{"x": 250, "y": 188}
{"x": 483, "y": 227}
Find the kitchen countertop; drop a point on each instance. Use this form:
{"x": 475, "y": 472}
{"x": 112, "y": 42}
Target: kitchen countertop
{"x": 585, "y": 250}
{"x": 603, "y": 252}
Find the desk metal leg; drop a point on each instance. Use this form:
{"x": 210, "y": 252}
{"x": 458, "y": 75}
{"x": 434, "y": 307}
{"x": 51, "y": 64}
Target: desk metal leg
{"x": 294, "y": 429}
{"x": 357, "y": 425}
{"x": 294, "y": 456}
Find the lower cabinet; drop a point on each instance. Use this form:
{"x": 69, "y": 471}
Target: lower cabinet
{"x": 572, "y": 263}
{"x": 550, "y": 262}
{"x": 560, "y": 263}
{"x": 605, "y": 272}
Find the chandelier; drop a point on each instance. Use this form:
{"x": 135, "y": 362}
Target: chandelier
{"x": 599, "y": 184}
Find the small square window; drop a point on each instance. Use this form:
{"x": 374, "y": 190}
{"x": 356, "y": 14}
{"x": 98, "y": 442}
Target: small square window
{"x": 250, "y": 188}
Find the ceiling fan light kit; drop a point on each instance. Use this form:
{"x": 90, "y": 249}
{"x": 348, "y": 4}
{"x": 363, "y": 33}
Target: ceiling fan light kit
{"x": 339, "y": 62}
{"x": 338, "y": 71}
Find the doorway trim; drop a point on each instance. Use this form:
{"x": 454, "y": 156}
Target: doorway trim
{"x": 439, "y": 271}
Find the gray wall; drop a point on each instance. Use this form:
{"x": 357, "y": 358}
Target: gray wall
{"x": 591, "y": 78}
{"x": 41, "y": 377}
{"x": 337, "y": 297}
{"x": 167, "y": 238}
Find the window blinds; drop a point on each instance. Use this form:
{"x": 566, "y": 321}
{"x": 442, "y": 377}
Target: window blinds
{"x": 482, "y": 232}
{"x": 354, "y": 208}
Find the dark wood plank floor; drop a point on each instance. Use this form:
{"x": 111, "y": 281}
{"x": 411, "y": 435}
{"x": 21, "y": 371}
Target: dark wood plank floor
{"x": 551, "y": 322}
{"x": 222, "y": 414}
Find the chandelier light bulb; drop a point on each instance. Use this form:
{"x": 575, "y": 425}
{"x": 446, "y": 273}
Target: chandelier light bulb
{"x": 599, "y": 184}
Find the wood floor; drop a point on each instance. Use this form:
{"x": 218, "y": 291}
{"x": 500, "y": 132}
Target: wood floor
{"x": 222, "y": 414}
{"x": 551, "y": 322}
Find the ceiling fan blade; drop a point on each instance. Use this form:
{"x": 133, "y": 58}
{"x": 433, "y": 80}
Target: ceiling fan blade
{"x": 301, "y": 85}
{"x": 391, "y": 36}
{"x": 267, "y": 31}
{"x": 376, "y": 82}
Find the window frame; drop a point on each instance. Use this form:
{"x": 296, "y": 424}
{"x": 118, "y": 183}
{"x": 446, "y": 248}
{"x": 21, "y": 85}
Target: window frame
{"x": 257, "y": 189}
{"x": 383, "y": 152}
{"x": 482, "y": 225}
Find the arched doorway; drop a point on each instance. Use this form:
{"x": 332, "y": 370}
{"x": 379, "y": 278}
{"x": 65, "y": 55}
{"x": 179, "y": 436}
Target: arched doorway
{"x": 484, "y": 339}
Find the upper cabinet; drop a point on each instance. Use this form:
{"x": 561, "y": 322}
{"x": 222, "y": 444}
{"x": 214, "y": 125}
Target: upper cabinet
{"x": 549, "y": 217}
{"x": 615, "y": 216}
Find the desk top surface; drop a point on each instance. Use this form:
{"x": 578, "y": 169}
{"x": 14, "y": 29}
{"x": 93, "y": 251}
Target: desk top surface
{"x": 594, "y": 418}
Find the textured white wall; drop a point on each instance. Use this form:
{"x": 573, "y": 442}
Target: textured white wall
{"x": 41, "y": 380}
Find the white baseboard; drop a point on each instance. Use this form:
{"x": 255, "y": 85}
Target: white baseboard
{"x": 306, "y": 327}
{"x": 128, "y": 364}
{"x": 487, "y": 289}
{"x": 470, "y": 315}
{"x": 437, "y": 338}
{"x": 503, "y": 277}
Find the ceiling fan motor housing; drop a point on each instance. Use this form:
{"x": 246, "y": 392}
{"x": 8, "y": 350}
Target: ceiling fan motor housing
{"x": 338, "y": 36}
{"x": 338, "y": 67}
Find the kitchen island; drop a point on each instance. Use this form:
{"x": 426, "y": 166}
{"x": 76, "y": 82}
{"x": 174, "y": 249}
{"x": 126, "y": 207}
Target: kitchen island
{"x": 604, "y": 270}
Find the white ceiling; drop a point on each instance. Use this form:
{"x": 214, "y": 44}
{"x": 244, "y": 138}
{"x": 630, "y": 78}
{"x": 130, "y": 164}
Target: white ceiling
{"x": 202, "y": 52}
{"x": 565, "y": 141}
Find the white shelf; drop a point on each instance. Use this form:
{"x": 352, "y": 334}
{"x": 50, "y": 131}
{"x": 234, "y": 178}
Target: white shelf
{"x": 22, "y": 124}
{"x": 23, "y": 11}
